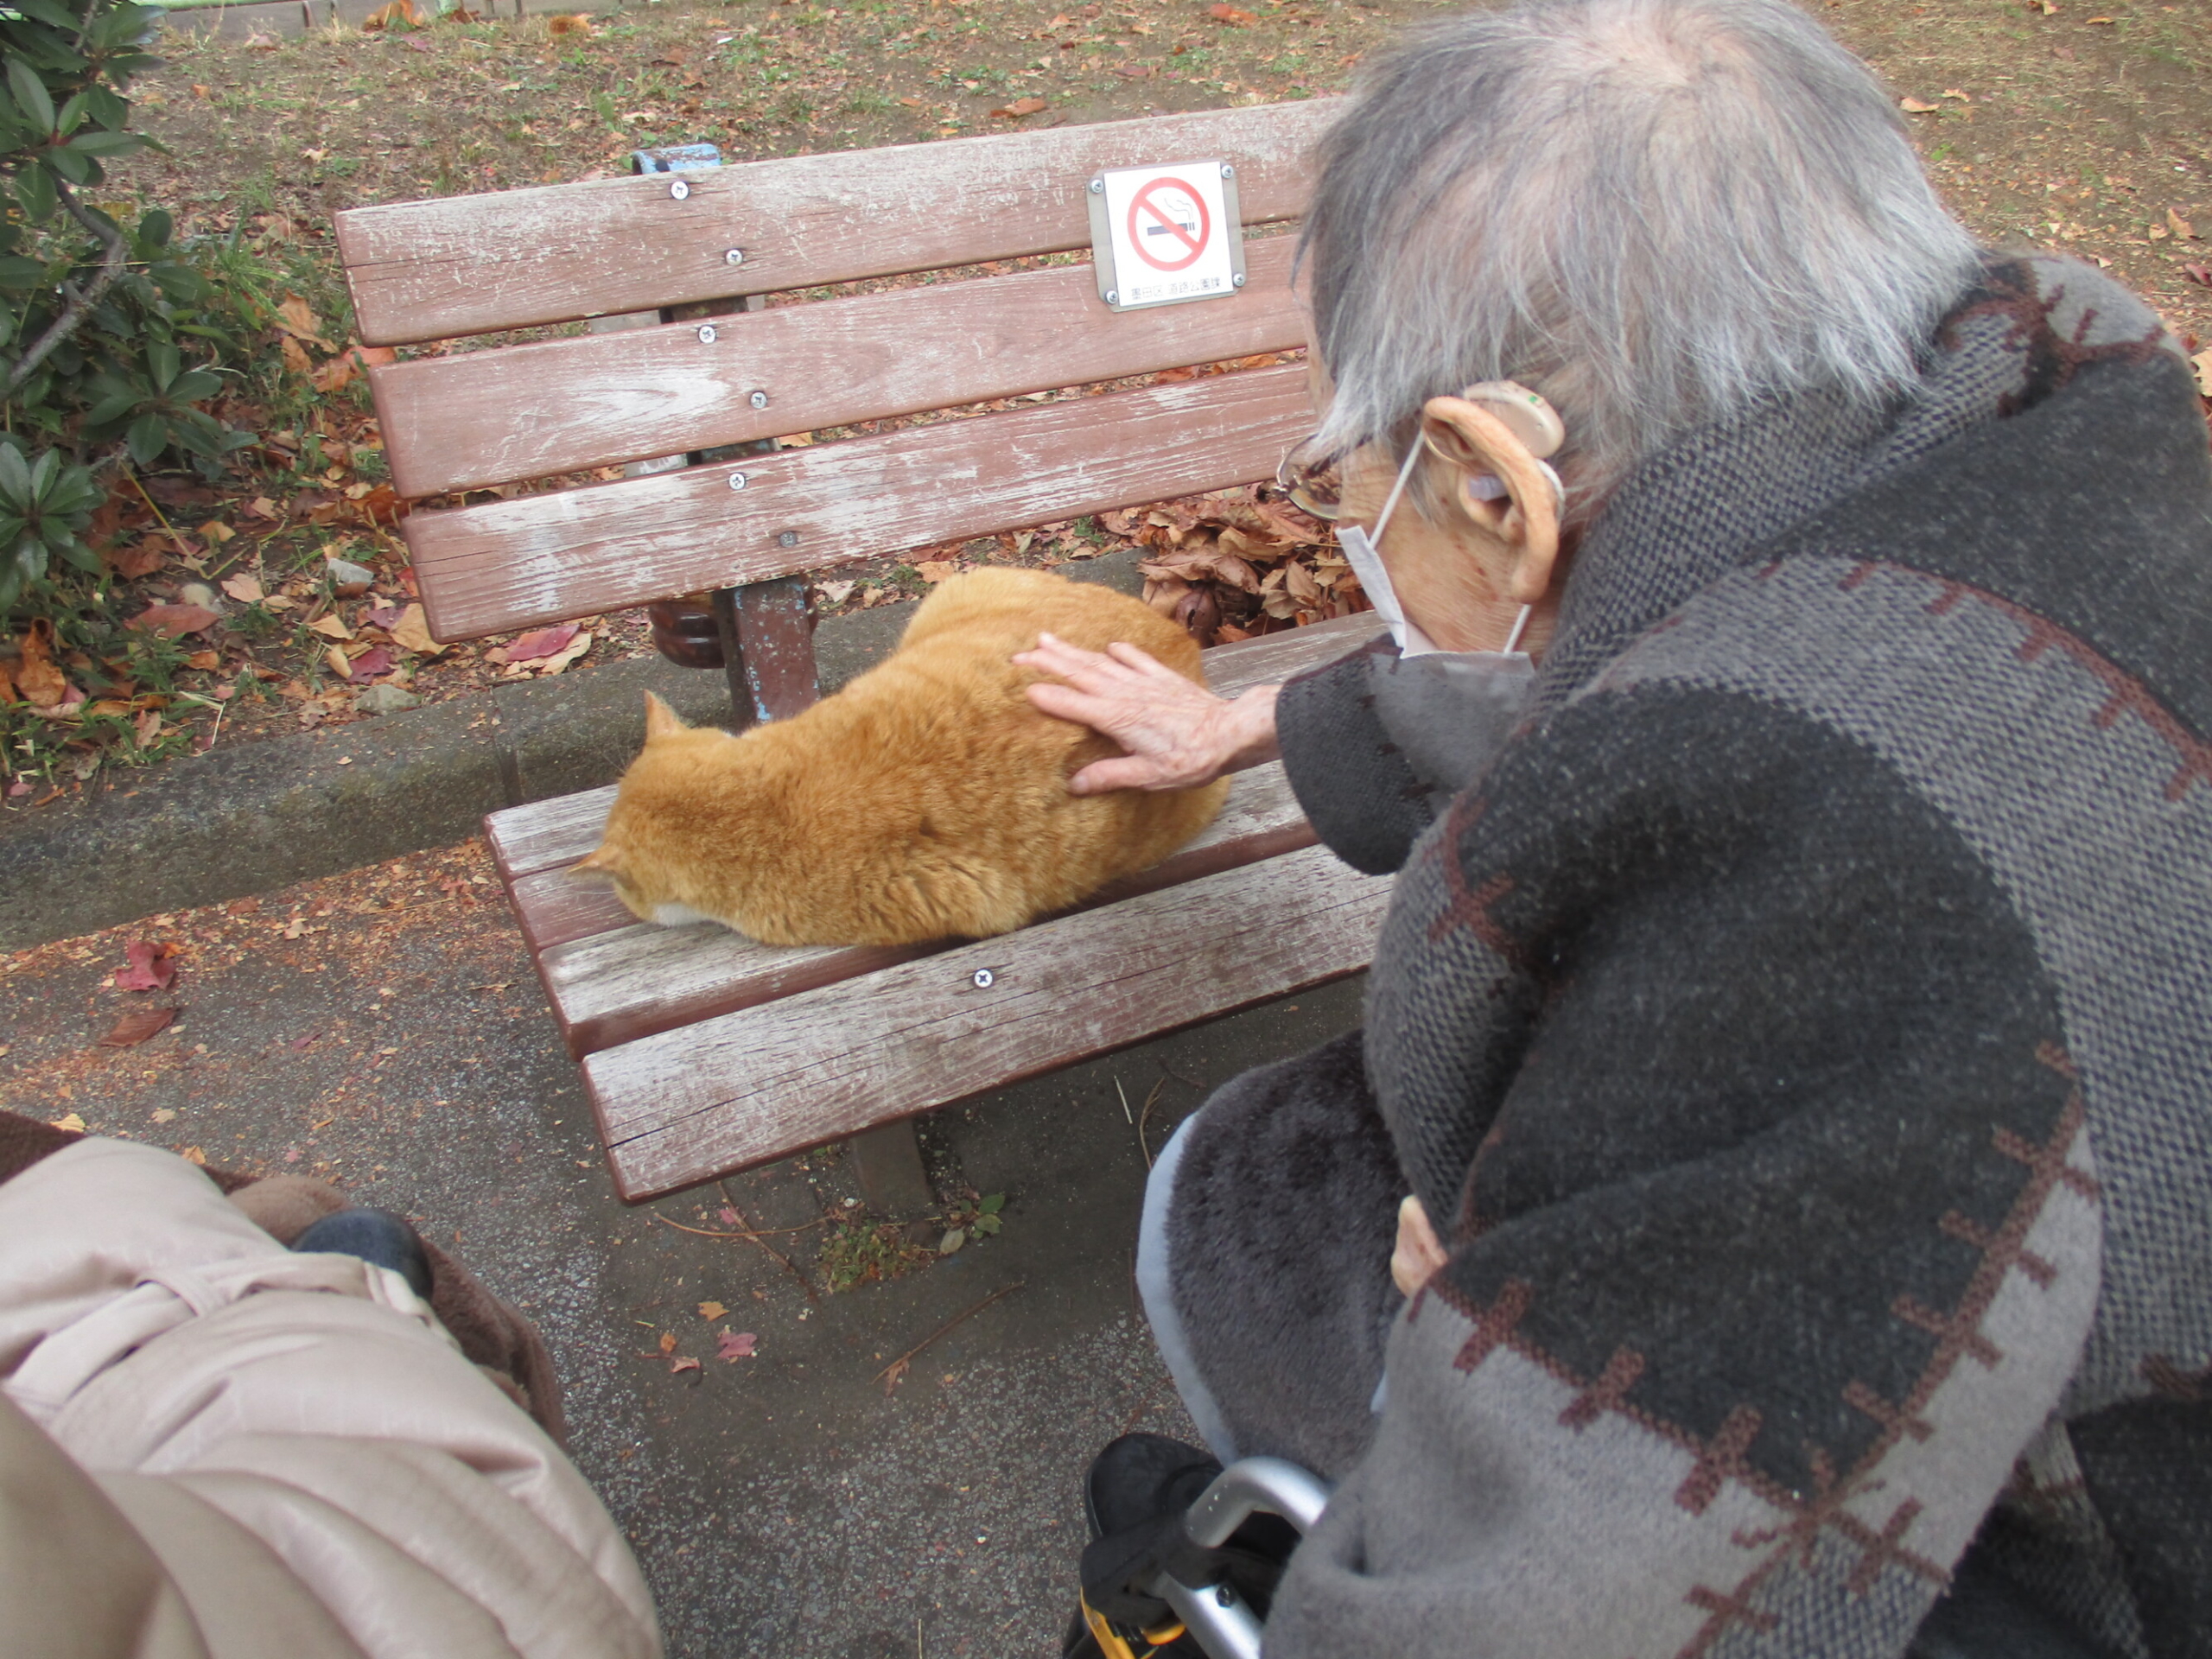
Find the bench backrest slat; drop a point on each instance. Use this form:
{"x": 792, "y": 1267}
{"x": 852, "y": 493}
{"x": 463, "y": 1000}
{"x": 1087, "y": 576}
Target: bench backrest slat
{"x": 532, "y": 559}
{"x": 457, "y": 422}
{"x": 469, "y": 264}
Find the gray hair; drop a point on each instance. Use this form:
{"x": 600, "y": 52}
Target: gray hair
{"x": 1658, "y": 212}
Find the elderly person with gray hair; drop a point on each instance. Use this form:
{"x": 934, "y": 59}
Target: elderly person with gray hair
{"x": 1784, "y": 1105}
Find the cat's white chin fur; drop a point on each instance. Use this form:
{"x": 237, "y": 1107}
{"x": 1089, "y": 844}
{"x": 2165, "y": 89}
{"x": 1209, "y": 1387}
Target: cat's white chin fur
{"x": 679, "y": 915}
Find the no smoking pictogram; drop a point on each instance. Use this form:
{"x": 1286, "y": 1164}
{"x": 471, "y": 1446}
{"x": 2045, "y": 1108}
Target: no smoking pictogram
{"x": 1166, "y": 233}
{"x": 1168, "y": 225}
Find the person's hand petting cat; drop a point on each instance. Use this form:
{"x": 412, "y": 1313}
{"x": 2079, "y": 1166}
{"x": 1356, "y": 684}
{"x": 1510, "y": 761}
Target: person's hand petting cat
{"x": 1177, "y": 735}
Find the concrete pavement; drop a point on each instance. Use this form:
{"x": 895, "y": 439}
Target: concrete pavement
{"x": 381, "y": 1027}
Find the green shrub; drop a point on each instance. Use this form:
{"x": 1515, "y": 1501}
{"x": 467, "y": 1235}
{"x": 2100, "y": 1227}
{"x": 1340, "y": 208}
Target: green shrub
{"x": 111, "y": 339}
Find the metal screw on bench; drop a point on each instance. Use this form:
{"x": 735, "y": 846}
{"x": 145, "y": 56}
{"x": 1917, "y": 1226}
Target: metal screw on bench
{"x": 706, "y": 333}
{"x": 1227, "y": 171}
{"x": 737, "y": 481}
{"x": 759, "y": 400}
{"x": 679, "y": 190}
{"x": 983, "y": 979}
{"x": 1113, "y": 296}
{"x": 1098, "y": 187}
{"x": 788, "y": 539}
{"x": 734, "y": 257}
{"x": 1238, "y": 280}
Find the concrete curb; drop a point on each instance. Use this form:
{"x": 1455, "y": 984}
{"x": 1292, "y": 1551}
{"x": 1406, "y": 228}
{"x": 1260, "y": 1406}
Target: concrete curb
{"x": 241, "y": 820}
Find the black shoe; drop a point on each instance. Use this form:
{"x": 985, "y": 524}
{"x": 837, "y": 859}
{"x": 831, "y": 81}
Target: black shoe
{"x": 375, "y": 1236}
{"x": 1136, "y": 1496}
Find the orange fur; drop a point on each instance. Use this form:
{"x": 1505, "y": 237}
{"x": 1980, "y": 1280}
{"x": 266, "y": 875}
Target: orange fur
{"x": 926, "y": 800}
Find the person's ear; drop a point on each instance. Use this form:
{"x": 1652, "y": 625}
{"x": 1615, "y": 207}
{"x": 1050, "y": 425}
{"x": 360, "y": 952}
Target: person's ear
{"x": 661, "y": 721}
{"x": 1498, "y": 481}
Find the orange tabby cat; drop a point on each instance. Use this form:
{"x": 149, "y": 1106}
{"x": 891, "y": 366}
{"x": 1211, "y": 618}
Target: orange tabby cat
{"x": 926, "y": 800}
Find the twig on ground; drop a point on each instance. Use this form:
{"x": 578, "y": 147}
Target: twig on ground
{"x": 775, "y": 1255}
{"x": 1125, "y": 1100}
{"x": 1187, "y": 1083}
{"x": 1145, "y": 1116}
{"x": 897, "y": 1368}
{"x": 183, "y": 547}
{"x": 764, "y": 1232}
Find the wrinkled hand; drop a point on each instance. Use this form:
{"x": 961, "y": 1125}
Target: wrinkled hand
{"x": 1419, "y": 1254}
{"x": 1177, "y": 735}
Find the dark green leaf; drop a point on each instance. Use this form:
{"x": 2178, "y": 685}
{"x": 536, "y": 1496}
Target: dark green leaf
{"x": 97, "y": 142}
{"x": 193, "y": 384}
{"x": 148, "y": 436}
{"x": 31, "y": 96}
{"x": 992, "y": 1204}
{"x": 71, "y": 165}
{"x": 162, "y": 362}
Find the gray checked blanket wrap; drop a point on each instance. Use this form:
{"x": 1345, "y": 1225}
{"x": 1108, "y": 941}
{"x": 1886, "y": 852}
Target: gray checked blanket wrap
{"x": 1802, "y": 1033}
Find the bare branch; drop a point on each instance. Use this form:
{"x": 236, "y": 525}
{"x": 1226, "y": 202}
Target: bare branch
{"x": 77, "y": 302}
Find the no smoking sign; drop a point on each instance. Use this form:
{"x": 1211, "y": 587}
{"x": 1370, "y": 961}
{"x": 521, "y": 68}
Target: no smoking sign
{"x": 1161, "y": 235}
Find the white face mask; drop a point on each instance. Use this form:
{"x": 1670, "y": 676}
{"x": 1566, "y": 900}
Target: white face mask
{"x": 1451, "y": 714}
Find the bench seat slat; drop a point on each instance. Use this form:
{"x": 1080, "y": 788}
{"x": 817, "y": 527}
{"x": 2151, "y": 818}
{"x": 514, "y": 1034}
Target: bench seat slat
{"x": 425, "y": 271}
{"x": 741, "y": 1088}
{"x": 450, "y": 423}
{"x": 544, "y": 558}
{"x": 635, "y": 979}
{"x": 546, "y": 835}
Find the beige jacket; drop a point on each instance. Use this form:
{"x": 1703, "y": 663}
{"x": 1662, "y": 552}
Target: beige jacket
{"x": 210, "y": 1446}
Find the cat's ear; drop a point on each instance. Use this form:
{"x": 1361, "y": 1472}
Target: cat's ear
{"x": 661, "y": 721}
{"x": 601, "y": 860}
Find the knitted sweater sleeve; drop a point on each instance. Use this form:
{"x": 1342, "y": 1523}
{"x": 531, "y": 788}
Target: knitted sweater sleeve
{"x": 1355, "y": 783}
{"x": 1743, "y": 1099}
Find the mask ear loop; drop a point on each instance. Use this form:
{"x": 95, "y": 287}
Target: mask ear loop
{"x": 1390, "y": 502}
{"x": 1520, "y": 627}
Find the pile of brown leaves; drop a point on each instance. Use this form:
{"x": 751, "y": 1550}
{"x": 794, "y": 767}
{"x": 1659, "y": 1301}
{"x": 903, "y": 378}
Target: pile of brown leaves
{"x": 1235, "y": 564}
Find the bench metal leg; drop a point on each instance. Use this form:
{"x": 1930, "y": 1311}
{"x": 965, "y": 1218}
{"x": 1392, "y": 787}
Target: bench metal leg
{"x": 888, "y": 1160}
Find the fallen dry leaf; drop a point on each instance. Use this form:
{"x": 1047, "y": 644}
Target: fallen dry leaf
{"x": 377, "y": 659}
{"x": 173, "y": 621}
{"x": 412, "y": 634}
{"x": 295, "y": 357}
{"x": 540, "y": 643}
{"x": 194, "y": 1155}
{"x": 331, "y": 626}
{"x": 742, "y": 1346}
{"x": 338, "y": 662}
{"x": 675, "y": 1366}
{"x": 164, "y": 1114}
{"x": 2180, "y": 226}
{"x": 1019, "y": 107}
{"x": 135, "y": 1027}
{"x": 668, "y": 1342}
{"x": 835, "y": 593}
{"x": 296, "y": 317}
{"x": 936, "y": 571}
{"x": 2203, "y": 364}
{"x": 560, "y": 660}
{"x": 1916, "y": 106}
{"x": 141, "y": 558}
{"x": 36, "y": 677}
{"x": 246, "y": 590}
{"x": 1230, "y": 15}
{"x": 2201, "y": 274}
{"x": 152, "y": 966}
{"x": 711, "y": 1309}
{"x": 893, "y": 1373}
{"x": 72, "y": 1122}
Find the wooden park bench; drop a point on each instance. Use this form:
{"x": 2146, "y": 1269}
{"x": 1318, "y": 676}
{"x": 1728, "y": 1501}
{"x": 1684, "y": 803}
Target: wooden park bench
{"x": 705, "y": 1052}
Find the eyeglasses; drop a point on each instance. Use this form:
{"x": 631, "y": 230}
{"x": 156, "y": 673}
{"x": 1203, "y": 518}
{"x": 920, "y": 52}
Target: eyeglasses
{"x": 1311, "y": 479}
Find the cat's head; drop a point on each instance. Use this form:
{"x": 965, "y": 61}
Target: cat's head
{"x": 676, "y": 790}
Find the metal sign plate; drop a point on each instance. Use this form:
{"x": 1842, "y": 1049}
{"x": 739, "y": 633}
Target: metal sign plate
{"x": 1163, "y": 235}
